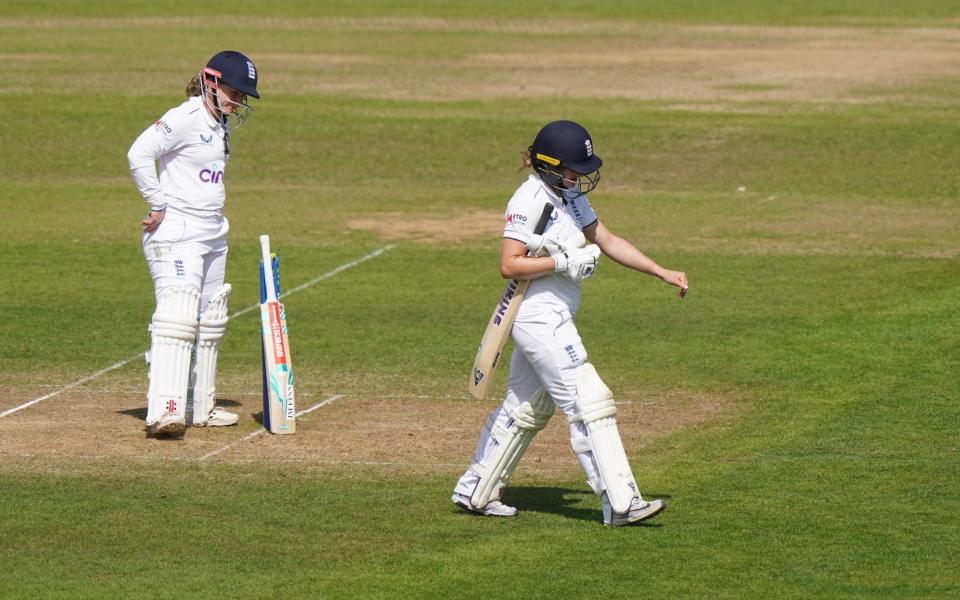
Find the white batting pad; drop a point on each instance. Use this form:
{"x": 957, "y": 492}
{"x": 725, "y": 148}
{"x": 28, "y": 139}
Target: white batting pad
{"x": 510, "y": 441}
{"x": 173, "y": 331}
{"x": 580, "y": 442}
{"x": 213, "y": 324}
{"x": 598, "y": 411}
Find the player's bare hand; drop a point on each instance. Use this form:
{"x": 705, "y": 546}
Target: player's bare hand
{"x": 677, "y": 278}
{"x": 153, "y": 220}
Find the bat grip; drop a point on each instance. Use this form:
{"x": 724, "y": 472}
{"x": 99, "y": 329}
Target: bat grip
{"x": 267, "y": 268}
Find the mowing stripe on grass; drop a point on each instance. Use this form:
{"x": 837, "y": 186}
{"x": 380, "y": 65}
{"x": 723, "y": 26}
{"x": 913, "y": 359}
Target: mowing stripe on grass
{"x": 263, "y": 430}
{"x": 241, "y": 312}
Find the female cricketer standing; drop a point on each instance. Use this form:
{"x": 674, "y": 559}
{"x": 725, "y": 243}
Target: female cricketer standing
{"x": 549, "y": 367}
{"x": 178, "y": 166}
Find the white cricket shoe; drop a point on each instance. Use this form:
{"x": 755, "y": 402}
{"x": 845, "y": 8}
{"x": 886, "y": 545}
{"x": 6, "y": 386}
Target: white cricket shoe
{"x": 640, "y": 510}
{"x": 220, "y": 418}
{"x": 169, "y": 425}
{"x": 494, "y": 508}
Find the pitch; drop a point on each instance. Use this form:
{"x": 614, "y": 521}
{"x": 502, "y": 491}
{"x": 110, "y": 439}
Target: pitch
{"x": 797, "y": 410}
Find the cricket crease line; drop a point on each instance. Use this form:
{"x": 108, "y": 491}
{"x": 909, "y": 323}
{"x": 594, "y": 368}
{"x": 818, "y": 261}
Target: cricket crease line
{"x": 125, "y": 361}
{"x": 254, "y": 434}
{"x": 77, "y": 383}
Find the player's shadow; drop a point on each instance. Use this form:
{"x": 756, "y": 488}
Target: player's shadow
{"x": 141, "y": 411}
{"x": 573, "y": 504}
{"x": 137, "y": 413}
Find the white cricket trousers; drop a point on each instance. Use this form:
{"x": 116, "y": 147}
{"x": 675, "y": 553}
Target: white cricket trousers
{"x": 549, "y": 353}
{"x": 188, "y": 250}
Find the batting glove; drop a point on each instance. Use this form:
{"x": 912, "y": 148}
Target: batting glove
{"x": 540, "y": 245}
{"x": 578, "y": 263}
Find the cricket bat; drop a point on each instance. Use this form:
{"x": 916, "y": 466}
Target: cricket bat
{"x": 279, "y": 412}
{"x": 498, "y": 328}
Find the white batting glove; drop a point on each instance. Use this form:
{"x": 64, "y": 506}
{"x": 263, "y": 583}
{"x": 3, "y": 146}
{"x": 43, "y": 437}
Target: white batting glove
{"x": 578, "y": 263}
{"x": 541, "y": 245}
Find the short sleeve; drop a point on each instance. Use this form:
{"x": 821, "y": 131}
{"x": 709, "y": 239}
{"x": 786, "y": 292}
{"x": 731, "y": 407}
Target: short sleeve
{"x": 585, "y": 212}
{"x": 521, "y": 218}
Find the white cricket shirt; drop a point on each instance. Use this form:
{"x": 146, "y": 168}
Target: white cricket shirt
{"x": 570, "y": 215}
{"x": 178, "y": 162}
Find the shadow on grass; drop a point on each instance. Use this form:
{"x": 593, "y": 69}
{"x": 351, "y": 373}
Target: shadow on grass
{"x": 579, "y": 504}
{"x": 558, "y": 501}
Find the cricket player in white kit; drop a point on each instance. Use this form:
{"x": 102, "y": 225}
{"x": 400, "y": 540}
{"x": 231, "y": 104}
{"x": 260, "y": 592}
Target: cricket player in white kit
{"x": 178, "y": 166}
{"x": 548, "y": 367}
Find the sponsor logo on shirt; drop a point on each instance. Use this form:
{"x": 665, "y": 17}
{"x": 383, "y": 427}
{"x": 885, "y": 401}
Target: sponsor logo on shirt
{"x": 162, "y": 126}
{"x": 516, "y": 218}
{"x": 206, "y": 139}
{"x": 212, "y": 175}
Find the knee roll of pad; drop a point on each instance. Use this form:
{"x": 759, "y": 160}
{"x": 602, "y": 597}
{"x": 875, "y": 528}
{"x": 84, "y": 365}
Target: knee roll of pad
{"x": 598, "y": 411}
{"x": 213, "y": 319}
{"x": 594, "y": 398}
{"x": 512, "y": 441}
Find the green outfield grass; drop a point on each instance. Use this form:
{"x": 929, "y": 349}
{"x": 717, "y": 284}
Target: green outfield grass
{"x": 816, "y": 216}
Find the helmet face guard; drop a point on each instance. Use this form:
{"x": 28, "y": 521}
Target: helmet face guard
{"x": 561, "y": 148}
{"x": 553, "y": 175}
{"x": 234, "y": 70}
{"x": 210, "y": 80}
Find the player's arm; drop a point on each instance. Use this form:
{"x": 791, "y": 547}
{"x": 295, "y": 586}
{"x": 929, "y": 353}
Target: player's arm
{"x": 165, "y": 135}
{"x": 621, "y": 251}
{"x": 515, "y": 264}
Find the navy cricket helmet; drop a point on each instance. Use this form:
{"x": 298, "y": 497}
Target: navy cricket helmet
{"x": 236, "y": 70}
{"x": 565, "y": 144}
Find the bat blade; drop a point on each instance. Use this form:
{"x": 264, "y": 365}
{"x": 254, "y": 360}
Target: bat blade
{"x": 279, "y": 410}
{"x": 498, "y": 329}
{"x": 277, "y": 369}
{"x": 495, "y": 338}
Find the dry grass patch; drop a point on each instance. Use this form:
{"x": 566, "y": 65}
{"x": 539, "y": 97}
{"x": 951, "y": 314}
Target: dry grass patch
{"x": 666, "y": 62}
{"x": 442, "y": 228}
{"x": 92, "y": 431}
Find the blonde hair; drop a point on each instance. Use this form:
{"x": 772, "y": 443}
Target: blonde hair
{"x": 193, "y": 88}
{"x": 526, "y": 162}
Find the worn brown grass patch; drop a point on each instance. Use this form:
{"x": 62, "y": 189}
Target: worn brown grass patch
{"x": 99, "y": 429}
{"x": 383, "y": 57}
{"x": 441, "y": 228}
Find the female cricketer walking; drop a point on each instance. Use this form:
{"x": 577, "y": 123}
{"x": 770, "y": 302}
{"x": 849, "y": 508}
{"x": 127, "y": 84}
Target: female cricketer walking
{"x": 549, "y": 368}
{"x": 178, "y": 166}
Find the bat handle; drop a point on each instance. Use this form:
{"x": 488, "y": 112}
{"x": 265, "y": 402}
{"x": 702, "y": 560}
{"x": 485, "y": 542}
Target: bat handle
{"x": 267, "y": 268}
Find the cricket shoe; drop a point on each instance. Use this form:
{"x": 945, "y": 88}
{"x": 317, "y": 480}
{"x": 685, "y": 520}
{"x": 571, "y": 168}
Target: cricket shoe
{"x": 169, "y": 425}
{"x": 220, "y": 418}
{"x": 494, "y": 508}
{"x": 640, "y": 510}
